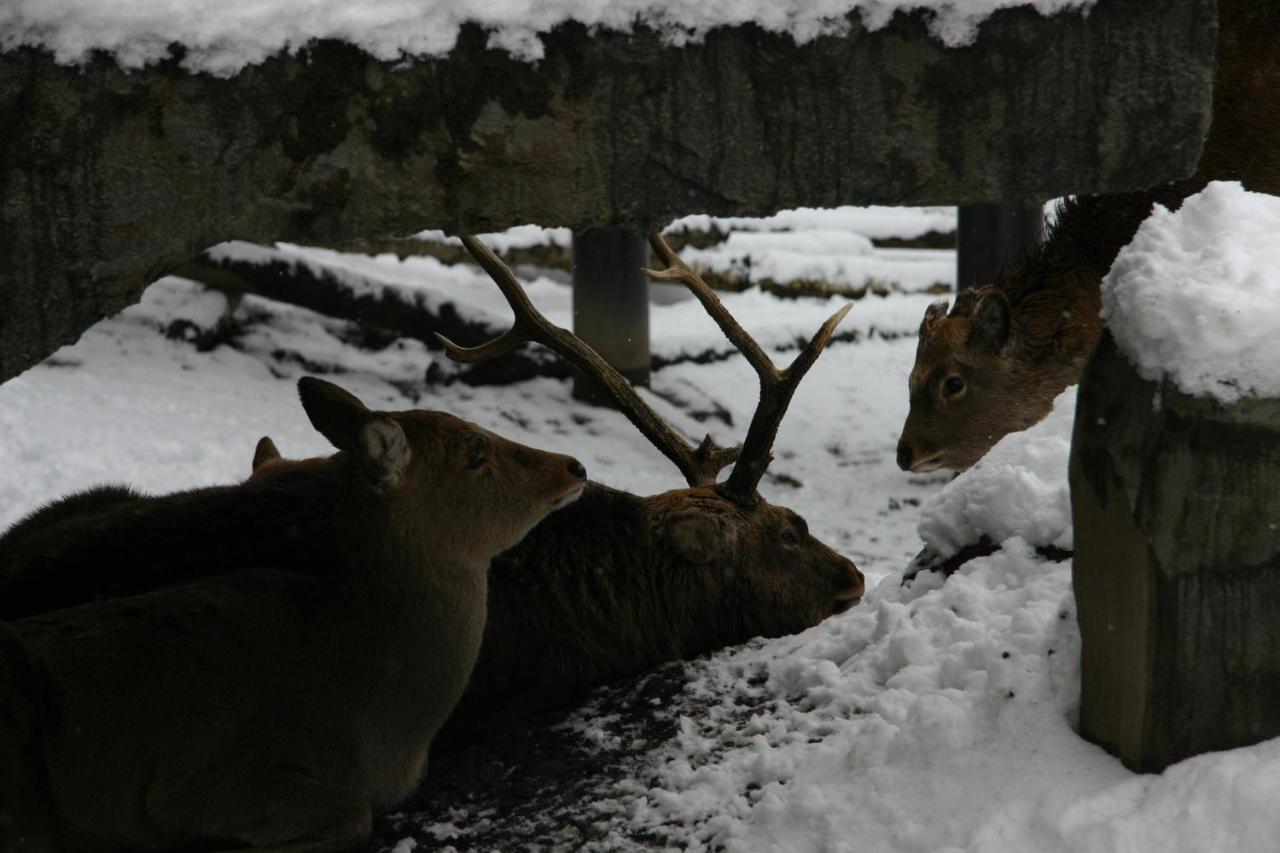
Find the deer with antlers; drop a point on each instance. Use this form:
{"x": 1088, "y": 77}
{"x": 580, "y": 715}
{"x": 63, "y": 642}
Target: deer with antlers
{"x": 610, "y": 586}
{"x": 618, "y": 583}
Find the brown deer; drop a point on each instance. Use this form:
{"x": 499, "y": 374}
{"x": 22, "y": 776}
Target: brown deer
{"x": 995, "y": 362}
{"x": 607, "y": 587}
{"x": 617, "y": 583}
{"x": 281, "y": 705}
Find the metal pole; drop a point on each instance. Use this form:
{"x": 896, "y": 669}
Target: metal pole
{"x": 990, "y": 235}
{"x": 611, "y": 303}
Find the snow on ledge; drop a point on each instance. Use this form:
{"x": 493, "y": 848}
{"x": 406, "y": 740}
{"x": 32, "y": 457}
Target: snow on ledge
{"x": 222, "y": 38}
{"x": 1196, "y": 295}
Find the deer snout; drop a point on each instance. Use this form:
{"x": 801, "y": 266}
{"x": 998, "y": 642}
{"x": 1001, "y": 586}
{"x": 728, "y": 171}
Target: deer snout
{"x": 577, "y": 483}
{"x": 850, "y": 586}
{"x": 905, "y": 456}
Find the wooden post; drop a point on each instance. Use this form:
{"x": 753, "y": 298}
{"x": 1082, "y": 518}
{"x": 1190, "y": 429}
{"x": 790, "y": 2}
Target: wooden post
{"x": 1176, "y": 506}
{"x": 611, "y": 303}
{"x": 990, "y": 235}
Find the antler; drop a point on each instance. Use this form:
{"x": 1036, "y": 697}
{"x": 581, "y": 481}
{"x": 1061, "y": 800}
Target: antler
{"x": 776, "y": 386}
{"x": 699, "y": 464}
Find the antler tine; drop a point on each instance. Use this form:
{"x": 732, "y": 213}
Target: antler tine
{"x": 678, "y": 271}
{"x": 776, "y": 386}
{"x": 700, "y": 464}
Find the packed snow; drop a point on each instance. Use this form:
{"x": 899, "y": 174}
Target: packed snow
{"x": 934, "y": 716}
{"x": 1196, "y": 295}
{"x": 1019, "y": 489}
{"x": 222, "y": 38}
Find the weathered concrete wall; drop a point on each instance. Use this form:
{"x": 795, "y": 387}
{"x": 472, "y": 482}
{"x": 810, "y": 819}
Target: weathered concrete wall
{"x": 1175, "y": 501}
{"x": 108, "y": 178}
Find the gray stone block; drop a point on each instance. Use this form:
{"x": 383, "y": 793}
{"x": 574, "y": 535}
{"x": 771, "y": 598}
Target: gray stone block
{"x": 109, "y": 178}
{"x": 1176, "y": 504}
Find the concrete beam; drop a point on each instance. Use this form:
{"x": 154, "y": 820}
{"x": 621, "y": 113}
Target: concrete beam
{"x": 110, "y": 178}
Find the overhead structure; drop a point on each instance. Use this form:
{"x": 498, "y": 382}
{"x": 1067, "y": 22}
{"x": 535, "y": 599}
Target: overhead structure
{"x": 109, "y": 178}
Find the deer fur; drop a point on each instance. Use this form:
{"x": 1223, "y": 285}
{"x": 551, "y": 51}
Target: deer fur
{"x": 276, "y": 705}
{"x": 995, "y": 362}
{"x": 617, "y": 584}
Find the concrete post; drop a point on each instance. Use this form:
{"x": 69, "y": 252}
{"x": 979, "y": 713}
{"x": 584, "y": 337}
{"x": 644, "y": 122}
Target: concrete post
{"x": 989, "y": 235}
{"x": 611, "y": 302}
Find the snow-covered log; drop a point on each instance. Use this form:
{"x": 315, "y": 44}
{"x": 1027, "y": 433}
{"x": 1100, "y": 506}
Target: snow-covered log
{"x": 110, "y": 177}
{"x": 1175, "y": 486}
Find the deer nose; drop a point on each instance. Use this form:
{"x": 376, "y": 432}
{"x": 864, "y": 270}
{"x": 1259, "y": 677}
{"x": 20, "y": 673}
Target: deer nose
{"x": 904, "y": 456}
{"x": 576, "y": 469}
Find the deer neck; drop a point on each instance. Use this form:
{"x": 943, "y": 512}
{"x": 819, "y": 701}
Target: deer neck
{"x": 585, "y": 580}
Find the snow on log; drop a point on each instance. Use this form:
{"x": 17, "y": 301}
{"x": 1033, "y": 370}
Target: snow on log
{"x": 1175, "y": 487}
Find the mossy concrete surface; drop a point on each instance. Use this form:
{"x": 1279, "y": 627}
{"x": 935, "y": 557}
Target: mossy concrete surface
{"x": 109, "y": 178}
{"x": 1176, "y": 505}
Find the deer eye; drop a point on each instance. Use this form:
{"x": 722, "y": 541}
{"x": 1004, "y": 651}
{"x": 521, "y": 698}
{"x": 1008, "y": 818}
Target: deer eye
{"x": 953, "y": 386}
{"x": 790, "y": 538}
{"x": 475, "y": 462}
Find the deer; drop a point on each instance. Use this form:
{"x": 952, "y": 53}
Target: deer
{"x": 994, "y": 362}
{"x": 608, "y": 587}
{"x": 618, "y": 583}
{"x": 276, "y": 705}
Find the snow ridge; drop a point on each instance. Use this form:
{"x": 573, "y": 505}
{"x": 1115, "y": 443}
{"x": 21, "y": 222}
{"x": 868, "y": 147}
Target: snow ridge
{"x": 222, "y": 38}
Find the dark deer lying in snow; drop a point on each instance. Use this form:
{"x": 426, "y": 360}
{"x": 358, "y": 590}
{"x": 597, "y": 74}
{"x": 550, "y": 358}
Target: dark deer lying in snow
{"x": 617, "y": 583}
{"x": 995, "y": 362}
{"x": 273, "y": 704}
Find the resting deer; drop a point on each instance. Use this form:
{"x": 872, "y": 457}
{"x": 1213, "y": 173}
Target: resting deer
{"x": 281, "y": 705}
{"x": 610, "y": 586}
{"x": 995, "y": 362}
{"x": 617, "y": 583}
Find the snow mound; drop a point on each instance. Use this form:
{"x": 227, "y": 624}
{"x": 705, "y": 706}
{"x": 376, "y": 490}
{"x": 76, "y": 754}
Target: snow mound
{"x": 874, "y": 221}
{"x": 222, "y": 38}
{"x": 1018, "y": 489}
{"x": 1196, "y": 295}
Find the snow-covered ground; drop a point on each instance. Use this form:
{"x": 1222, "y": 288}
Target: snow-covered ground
{"x": 932, "y": 717}
{"x": 222, "y": 38}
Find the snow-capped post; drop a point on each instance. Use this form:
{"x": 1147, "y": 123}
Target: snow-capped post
{"x": 990, "y": 235}
{"x": 1175, "y": 487}
{"x": 611, "y": 303}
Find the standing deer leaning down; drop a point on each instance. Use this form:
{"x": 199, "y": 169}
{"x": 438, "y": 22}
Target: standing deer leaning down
{"x": 279, "y": 705}
{"x": 608, "y": 587}
{"x": 995, "y": 362}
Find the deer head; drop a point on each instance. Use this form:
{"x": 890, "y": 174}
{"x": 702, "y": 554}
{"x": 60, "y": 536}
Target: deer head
{"x": 989, "y": 367}
{"x": 725, "y": 528}
{"x": 431, "y": 465}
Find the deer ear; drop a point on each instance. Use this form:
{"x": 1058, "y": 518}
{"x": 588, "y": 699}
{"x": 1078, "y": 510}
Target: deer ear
{"x": 336, "y": 414}
{"x": 697, "y": 537}
{"x": 265, "y": 452}
{"x": 935, "y": 312}
{"x": 991, "y": 322}
{"x": 383, "y": 452}
{"x": 377, "y": 443}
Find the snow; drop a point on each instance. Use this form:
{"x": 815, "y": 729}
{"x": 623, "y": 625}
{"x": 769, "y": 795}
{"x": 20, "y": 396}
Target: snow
{"x": 675, "y": 331}
{"x": 1018, "y": 489}
{"x": 1196, "y": 296}
{"x": 936, "y": 716}
{"x": 875, "y": 222}
{"x": 222, "y": 38}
